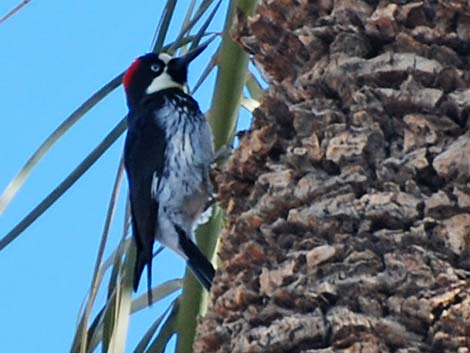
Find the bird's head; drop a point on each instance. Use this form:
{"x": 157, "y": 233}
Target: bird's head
{"x": 152, "y": 72}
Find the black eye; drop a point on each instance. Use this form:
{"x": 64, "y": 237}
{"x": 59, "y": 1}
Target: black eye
{"x": 156, "y": 68}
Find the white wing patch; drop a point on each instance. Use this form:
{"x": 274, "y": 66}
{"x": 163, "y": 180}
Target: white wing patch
{"x": 154, "y": 188}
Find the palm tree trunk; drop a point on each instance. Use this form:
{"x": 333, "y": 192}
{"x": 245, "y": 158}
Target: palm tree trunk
{"x": 348, "y": 225}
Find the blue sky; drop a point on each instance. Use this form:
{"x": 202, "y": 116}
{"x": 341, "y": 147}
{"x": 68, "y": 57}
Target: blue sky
{"x": 54, "y": 55}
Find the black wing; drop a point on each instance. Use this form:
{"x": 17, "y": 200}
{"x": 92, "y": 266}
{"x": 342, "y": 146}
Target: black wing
{"x": 144, "y": 159}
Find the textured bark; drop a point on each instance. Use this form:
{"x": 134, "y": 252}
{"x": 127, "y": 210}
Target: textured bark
{"x": 348, "y": 224}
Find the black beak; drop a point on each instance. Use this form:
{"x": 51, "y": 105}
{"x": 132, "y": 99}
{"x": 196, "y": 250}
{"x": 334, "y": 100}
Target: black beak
{"x": 183, "y": 61}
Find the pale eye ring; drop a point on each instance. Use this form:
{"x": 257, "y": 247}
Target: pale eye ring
{"x": 156, "y": 67}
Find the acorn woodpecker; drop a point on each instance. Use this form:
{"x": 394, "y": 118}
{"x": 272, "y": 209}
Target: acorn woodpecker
{"x": 167, "y": 156}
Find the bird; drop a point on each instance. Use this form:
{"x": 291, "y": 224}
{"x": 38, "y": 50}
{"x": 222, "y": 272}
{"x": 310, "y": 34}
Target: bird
{"x": 167, "y": 156}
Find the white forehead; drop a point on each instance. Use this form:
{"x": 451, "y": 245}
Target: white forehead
{"x": 165, "y": 57}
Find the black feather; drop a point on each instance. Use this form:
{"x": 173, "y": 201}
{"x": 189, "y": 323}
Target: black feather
{"x": 143, "y": 157}
{"x": 197, "y": 261}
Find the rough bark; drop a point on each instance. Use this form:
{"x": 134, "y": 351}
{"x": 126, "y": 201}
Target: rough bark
{"x": 348, "y": 224}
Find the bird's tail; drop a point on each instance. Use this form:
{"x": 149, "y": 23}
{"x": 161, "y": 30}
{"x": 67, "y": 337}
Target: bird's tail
{"x": 143, "y": 260}
{"x": 202, "y": 268}
{"x": 197, "y": 261}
